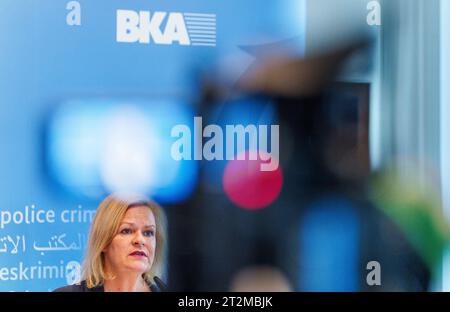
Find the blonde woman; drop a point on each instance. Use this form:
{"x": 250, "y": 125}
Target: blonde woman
{"x": 126, "y": 247}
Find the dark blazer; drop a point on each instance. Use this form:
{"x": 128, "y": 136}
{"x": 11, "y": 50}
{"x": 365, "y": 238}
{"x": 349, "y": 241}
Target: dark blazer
{"x": 158, "y": 286}
{"x": 79, "y": 287}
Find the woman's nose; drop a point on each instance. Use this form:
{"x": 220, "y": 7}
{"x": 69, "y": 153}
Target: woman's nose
{"x": 138, "y": 239}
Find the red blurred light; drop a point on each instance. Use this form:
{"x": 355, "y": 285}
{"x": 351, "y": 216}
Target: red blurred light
{"x": 247, "y": 186}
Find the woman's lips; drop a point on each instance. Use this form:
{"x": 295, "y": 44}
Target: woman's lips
{"x": 138, "y": 254}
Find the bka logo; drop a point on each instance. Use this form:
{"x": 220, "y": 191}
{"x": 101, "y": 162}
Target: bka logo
{"x": 196, "y": 29}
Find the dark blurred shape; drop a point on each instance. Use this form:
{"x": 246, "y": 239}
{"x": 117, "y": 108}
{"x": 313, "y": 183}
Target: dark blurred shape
{"x": 324, "y": 152}
{"x": 294, "y": 76}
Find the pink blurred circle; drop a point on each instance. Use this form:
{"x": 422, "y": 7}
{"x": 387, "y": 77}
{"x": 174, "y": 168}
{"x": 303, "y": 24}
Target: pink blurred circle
{"x": 247, "y": 186}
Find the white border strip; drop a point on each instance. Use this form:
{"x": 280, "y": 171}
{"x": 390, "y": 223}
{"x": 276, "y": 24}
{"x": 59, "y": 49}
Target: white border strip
{"x": 445, "y": 127}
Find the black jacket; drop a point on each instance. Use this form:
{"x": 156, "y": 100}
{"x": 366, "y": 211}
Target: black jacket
{"x": 82, "y": 287}
{"x": 79, "y": 287}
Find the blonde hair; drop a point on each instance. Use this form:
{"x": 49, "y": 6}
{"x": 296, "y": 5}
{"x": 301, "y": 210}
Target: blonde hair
{"x": 105, "y": 226}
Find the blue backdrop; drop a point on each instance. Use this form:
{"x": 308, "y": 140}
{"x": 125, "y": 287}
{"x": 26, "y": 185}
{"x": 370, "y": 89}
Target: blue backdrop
{"x": 47, "y": 64}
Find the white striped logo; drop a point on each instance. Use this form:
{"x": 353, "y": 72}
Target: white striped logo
{"x": 201, "y": 28}
{"x": 196, "y": 29}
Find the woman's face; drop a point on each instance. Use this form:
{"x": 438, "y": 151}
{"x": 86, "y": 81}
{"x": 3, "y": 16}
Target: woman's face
{"x": 133, "y": 247}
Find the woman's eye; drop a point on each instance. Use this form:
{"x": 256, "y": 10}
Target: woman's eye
{"x": 125, "y": 231}
{"x": 149, "y": 233}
